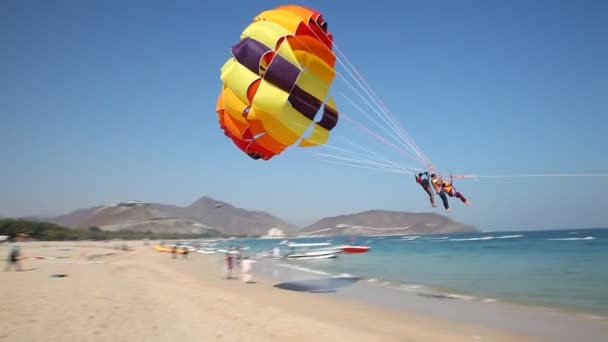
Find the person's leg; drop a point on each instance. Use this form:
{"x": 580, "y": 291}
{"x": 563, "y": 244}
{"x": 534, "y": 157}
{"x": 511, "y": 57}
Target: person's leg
{"x": 462, "y": 198}
{"x": 459, "y": 195}
{"x": 11, "y": 262}
{"x": 431, "y": 197}
{"x": 444, "y": 198}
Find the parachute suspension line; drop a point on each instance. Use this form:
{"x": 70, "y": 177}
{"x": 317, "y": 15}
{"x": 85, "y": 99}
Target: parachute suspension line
{"x": 366, "y": 160}
{"x": 362, "y": 161}
{"x": 361, "y": 126}
{"x": 388, "y": 113}
{"x": 375, "y": 110}
{"x": 395, "y": 127}
{"x": 408, "y": 151}
{"x": 357, "y": 146}
{"x": 535, "y": 175}
{"x": 367, "y": 167}
{"x": 381, "y": 114}
{"x": 362, "y": 156}
{"x": 384, "y": 115}
{"x": 368, "y": 131}
{"x": 401, "y": 142}
{"x": 382, "y": 107}
{"x": 372, "y": 134}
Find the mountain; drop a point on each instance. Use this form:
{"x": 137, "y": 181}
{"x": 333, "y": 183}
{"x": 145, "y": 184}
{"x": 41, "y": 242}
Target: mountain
{"x": 382, "y": 222}
{"x": 208, "y": 214}
{"x": 75, "y": 217}
{"x": 204, "y": 213}
{"x": 119, "y": 214}
{"x": 169, "y": 210}
{"x": 164, "y": 225}
{"x": 232, "y": 220}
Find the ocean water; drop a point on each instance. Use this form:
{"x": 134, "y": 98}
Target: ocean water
{"x": 565, "y": 269}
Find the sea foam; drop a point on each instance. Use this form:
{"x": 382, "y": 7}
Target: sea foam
{"x": 573, "y": 239}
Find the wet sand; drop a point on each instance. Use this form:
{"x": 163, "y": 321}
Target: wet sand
{"x": 144, "y": 295}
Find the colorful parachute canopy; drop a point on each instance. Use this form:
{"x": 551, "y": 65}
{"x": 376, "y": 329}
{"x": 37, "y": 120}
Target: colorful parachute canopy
{"x": 276, "y": 81}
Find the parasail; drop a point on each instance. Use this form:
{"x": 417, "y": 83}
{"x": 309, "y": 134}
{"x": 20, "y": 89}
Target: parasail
{"x": 277, "y": 81}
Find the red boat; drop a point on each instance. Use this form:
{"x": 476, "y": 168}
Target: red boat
{"x": 354, "y": 249}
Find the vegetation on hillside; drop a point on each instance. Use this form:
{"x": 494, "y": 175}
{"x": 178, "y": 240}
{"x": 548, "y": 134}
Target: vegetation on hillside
{"x": 47, "y": 231}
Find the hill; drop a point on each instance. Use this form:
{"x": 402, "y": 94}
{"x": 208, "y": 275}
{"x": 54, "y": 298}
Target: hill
{"x": 232, "y": 220}
{"x": 207, "y": 213}
{"x": 163, "y": 225}
{"x": 382, "y": 222}
{"x": 74, "y": 218}
{"x": 204, "y": 213}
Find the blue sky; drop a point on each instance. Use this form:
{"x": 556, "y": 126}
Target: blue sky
{"x": 104, "y": 101}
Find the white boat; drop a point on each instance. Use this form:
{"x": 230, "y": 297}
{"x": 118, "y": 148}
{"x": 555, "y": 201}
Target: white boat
{"x": 207, "y": 250}
{"x": 233, "y": 252}
{"x": 301, "y": 251}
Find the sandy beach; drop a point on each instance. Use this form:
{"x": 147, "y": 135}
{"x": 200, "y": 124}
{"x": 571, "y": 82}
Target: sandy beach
{"x": 144, "y": 295}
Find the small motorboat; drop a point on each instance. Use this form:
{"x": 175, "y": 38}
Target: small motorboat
{"x": 208, "y": 250}
{"x": 301, "y": 251}
{"x": 313, "y": 255}
{"x": 354, "y": 249}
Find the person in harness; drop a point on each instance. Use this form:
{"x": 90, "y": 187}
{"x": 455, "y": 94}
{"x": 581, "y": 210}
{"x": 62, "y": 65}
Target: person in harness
{"x": 450, "y": 190}
{"x": 423, "y": 179}
{"x": 437, "y": 184}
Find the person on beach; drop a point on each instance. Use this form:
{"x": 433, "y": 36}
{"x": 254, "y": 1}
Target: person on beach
{"x": 185, "y": 252}
{"x": 437, "y": 184}
{"x": 229, "y": 265}
{"x": 14, "y": 255}
{"x": 423, "y": 179}
{"x": 246, "y": 270}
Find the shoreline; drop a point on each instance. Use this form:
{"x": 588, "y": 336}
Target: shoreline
{"x": 431, "y": 289}
{"x": 146, "y": 295}
{"x": 458, "y": 293}
{"x": 500, "y": 314}
{"x": 551, "y": 285}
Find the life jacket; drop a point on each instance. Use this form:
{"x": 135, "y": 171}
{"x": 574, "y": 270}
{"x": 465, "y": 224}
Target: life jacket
{"x": 447, "y": 186}
{"x": 436, "y": 184}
